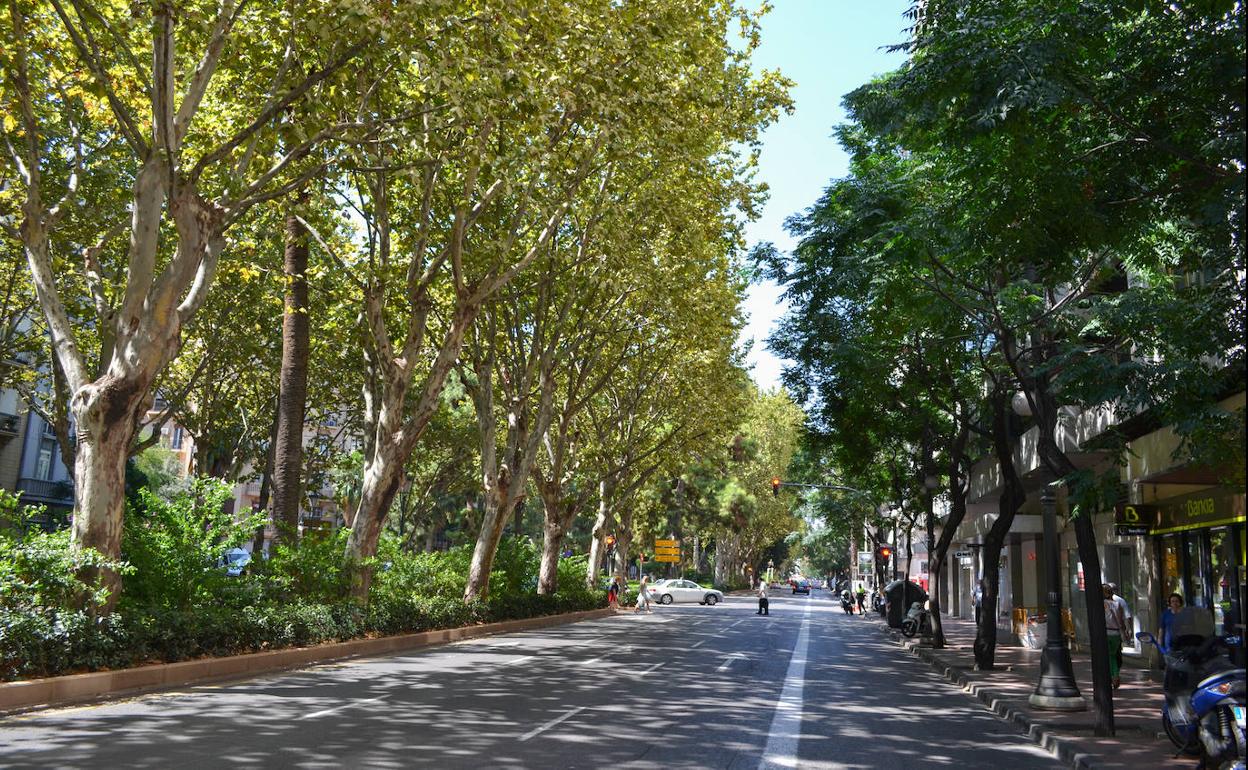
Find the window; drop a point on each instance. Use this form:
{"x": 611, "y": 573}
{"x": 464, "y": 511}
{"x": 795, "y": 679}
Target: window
{"x": 176, "y": 441}
{"x": 43, "y": 463}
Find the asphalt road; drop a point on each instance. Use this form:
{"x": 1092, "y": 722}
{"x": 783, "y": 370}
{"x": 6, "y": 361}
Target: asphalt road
{"x": 686, "y": 686}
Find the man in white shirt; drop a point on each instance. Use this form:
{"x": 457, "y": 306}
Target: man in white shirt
{"x": 1129, "y": 625}
{"x": 763, "y": 609}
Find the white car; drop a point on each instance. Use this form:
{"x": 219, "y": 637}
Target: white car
{"x": 669, "y": 591}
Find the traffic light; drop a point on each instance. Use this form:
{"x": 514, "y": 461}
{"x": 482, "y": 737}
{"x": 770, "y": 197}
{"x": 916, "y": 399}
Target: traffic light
{"x": 883, "y": 554}
{"x": 775, "y": 486}
{"x": 610, "y": 543}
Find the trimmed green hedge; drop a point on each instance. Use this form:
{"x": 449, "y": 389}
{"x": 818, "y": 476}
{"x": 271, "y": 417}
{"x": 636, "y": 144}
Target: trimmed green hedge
{"x": 178, "y": 603}
{"x": 61, "y": 641}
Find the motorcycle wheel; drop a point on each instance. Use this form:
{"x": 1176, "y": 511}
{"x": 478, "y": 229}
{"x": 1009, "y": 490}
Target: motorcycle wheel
{"x": 1177, "y": 738}
{"x": 909, "y": 628}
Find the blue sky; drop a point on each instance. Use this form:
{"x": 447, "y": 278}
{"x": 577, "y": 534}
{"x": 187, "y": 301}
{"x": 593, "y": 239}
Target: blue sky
{"x": 828, "y": 47}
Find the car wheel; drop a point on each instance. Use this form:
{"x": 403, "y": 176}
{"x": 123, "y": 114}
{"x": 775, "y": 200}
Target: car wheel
{"x": 665, "y": 599}
{"x": 712, "y": 599}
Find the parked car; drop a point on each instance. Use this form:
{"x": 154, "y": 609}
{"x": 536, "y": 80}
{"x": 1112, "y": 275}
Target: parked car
{"x": 801, "y": 586}
{"x": 235, "y": 560}
{"x": 669, "y": 591}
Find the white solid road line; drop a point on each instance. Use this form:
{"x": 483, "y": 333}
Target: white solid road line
{"x": 652, "y": 668}
{"x": 739, "y": 622}
{"x": 514, "y": 661}
{"x": 728, "y": 661}
{"x": 786, "y": 724}
{"x": 539, "y": 730}
{"x": 323, "y": 712}
{"x": 696, "y": 646}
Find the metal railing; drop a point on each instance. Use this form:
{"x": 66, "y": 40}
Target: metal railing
{"x": 61, "y": 492}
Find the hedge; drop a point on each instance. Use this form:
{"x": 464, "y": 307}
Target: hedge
{"x": 61, "y": 641}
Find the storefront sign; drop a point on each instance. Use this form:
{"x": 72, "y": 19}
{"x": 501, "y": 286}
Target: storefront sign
{"x": 1197, "y": 511}
{"x": 1127, "y": 530}
{"x": 1129, "y": 515}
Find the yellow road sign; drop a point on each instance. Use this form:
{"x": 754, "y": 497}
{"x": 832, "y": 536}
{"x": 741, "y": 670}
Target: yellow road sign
{"x": 671, "y": 557}
{"x": 665, "y": 549}
{"x": 668, "y": 543}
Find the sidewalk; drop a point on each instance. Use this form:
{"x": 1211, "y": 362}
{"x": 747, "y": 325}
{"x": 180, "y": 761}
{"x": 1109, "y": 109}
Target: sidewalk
{"x": 1139, "y": 741}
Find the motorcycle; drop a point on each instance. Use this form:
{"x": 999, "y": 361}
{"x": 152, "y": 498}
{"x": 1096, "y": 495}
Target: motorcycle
{"x": 847, "y": 603}
{"x": 1203, "y": 712}
{"x": 917, "y": 620}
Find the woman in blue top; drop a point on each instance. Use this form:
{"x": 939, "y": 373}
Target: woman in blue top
{"x": 1166, "y": 632}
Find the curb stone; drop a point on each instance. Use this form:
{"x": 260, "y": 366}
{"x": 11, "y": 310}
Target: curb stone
{"x": 101, "y": 686}
{"x": 1065, "y": 749}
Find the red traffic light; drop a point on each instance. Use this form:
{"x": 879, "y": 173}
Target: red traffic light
{"x": 884, "y": 553}
{"x": 610, "y": 540}
{"x": 775, "y": 486}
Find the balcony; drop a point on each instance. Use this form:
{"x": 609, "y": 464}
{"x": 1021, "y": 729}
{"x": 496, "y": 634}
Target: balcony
{"x": 8, "y": 426}
{"x": 48, "y": 492}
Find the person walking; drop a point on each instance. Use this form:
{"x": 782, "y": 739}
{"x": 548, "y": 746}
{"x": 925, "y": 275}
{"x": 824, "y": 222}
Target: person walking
{"x": 763, "y": 605}
{"x": 613, "y": 594}
{"x": 1165, "y": 632}
{"x": 977, "y": 599}
{"x": 1128, "y": 626}
{"x": 643, "y": 594}
{"x": 862, "y": 600}
{"x": 1114, "y": 625}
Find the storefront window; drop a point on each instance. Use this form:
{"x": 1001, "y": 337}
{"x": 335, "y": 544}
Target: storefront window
{"x": 1171, "y": 569}
{"x": 1196, "y": 570}
{"x": 1220, "y": 560}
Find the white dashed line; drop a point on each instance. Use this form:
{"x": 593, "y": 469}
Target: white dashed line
{"x": 539, "y": 730}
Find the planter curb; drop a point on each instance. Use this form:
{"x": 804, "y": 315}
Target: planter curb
{"x": 76, "y": 689}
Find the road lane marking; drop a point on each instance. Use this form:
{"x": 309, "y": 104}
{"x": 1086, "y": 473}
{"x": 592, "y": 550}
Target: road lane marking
{"x": 739, "y": 622}
{"x": 622, "y": 650}
{"x": 323, "y": 712}
{"x": 728, "y": 661}
{"x": 539, "y": 730}
{"x": 514, "y": 661}
{"x": 786, "y": 724}
{"x": 652, "y": 668}
{"x": 696, "y": 646}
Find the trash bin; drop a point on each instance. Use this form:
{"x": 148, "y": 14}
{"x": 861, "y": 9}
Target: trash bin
{"x": 899, "y": 595}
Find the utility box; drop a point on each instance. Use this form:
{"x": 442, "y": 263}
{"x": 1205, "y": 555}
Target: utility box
{"x": 899, "y": 595}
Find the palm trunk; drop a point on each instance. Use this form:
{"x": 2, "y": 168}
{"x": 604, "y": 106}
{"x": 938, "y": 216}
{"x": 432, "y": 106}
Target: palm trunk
{"x": 293, "y": 390}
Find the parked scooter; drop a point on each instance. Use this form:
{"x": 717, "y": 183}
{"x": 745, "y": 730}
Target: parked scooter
{"x": 847, "y": 602}
{"x": 1203, "y": 714}
{"x": 917, "y": 620}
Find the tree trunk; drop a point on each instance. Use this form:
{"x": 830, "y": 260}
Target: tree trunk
{"x": 383, "y": 474}
{"x": 266, "y": 482}
{"x": 957, "y": 512}
{"x": 552, "y": 541}
{"x": 107, "y": 415}
{"x": 293, "y": 390}
{"x": 1085, "y": 537}
{"x": 602, "y": 527}
{"x": 1012, "y": 497}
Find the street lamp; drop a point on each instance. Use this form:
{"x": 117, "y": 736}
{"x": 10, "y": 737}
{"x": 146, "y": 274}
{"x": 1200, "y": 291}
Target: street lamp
{"x": 1056, "y": 689}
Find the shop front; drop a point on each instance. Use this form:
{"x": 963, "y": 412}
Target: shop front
{"x": 1199, "y": 543}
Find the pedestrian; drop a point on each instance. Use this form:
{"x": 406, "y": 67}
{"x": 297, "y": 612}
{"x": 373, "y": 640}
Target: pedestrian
{"x": 1165, "y": 632}
{"x": 862, "y": 600}
{"x": 977, "y": 599}
{"x": 643, "y": 594}
{"x": 1128, "y": 626}
{"x": 613, "y": 594}
{"x": 1114, "y": 625}
{"x": 763, "y": 605}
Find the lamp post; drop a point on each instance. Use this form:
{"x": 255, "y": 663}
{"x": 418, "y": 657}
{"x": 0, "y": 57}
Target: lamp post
{"x": 1056, "y": 689}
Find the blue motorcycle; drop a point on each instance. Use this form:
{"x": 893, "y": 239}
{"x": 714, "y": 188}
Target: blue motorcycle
{"x": 1203, "y": 713}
